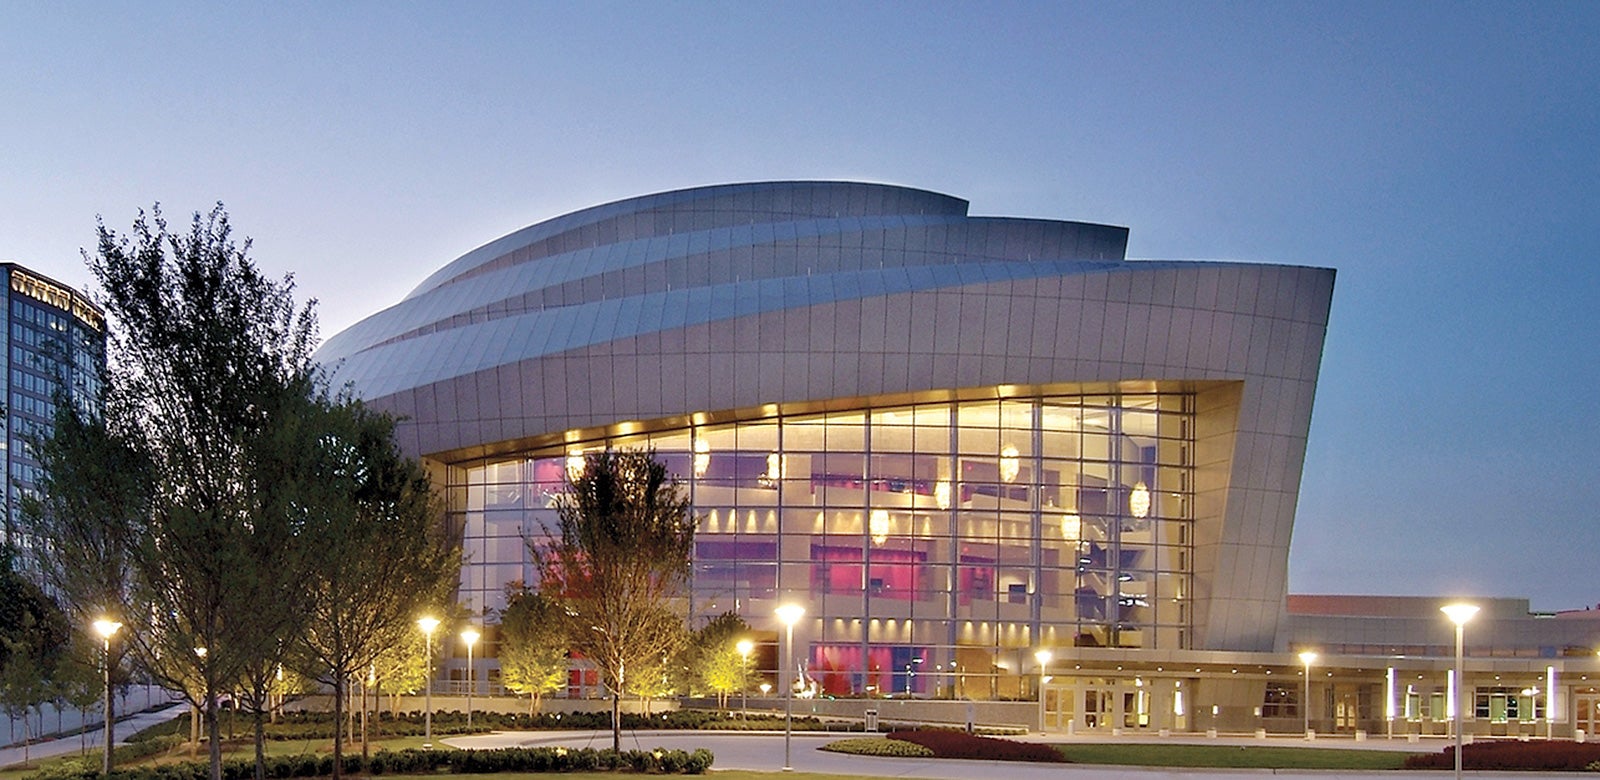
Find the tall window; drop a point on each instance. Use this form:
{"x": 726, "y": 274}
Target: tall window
{"x": 933, "y": 541}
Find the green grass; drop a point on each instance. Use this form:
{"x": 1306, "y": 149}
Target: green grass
{"x": 1221, "y": 756}
{"x": 240, "y": 747}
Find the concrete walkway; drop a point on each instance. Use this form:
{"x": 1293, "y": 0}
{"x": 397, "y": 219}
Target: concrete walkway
{"x": 94, "y": 738}
{"x": 763, "y": 751}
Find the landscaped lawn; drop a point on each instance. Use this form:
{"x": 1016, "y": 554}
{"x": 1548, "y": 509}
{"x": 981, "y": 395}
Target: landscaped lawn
{"x": 1223, "y": 756}
{"x": 241, "y": 748}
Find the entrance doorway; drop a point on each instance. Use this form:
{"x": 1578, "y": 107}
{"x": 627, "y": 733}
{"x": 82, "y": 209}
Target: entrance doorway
{"x": 1087, "y": 704}
{"x": 1586, "y": 710}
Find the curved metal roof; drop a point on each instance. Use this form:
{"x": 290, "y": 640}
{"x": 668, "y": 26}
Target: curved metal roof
{"x": 694, "y": 256}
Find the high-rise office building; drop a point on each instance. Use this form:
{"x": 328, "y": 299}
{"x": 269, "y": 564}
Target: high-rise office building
{"x": 55, "y": 345}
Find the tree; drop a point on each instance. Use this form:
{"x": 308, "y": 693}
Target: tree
{"x": 33, "y": 640}
{"x": 715, "y": 657}
{"x": 533, "y": 644}
{"x": 618, "y": 562}
{"x": 91, "y": 489}
{"x": 401, "y": 668}
{"x": 383, "y": 558}
{"x": 207, "y": 358}
{"x": 657, "y": 676}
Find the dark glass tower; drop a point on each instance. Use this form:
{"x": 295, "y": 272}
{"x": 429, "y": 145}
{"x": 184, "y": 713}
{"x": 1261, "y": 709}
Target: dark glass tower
{"x": 55, "y": 346}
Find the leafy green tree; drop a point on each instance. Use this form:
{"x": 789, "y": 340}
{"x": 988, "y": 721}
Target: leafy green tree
{"x": 660, "y": 676}
{"x": 618, "y": 562}
{"x": 401, "y": 669}
{"x": 533, "y": 644}
{"x": 81, "y": 520}
{"x": 382, "y": 557}
{"x": 33, "y": 640}
{"x": 715, "y": 658}
{"x": 207, "y": 360}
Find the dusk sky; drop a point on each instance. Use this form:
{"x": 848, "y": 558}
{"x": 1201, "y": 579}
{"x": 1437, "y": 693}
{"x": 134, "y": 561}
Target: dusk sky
{"x": 1444, "y": 157}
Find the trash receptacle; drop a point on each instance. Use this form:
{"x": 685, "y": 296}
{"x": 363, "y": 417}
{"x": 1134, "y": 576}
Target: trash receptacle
{"x": 872, "y": 720}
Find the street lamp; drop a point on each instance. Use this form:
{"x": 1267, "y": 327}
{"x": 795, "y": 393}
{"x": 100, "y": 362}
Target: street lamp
{"x": 789, "y": 614}
{"x": 745, "y": 646}
{"x": 428, "y": 624}
{"x": 1459, "y": 614}
{"x": 107, "y": 628}
{"x": 1306, "y": 657}
{"x": 1042, "y": 656}
{"x": 470, "y": 636}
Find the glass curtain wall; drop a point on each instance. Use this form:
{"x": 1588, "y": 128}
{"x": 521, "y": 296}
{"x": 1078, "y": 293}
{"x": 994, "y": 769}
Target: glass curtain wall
{"x": 936, "y": 546}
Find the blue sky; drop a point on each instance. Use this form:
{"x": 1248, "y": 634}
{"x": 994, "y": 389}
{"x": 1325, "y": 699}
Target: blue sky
{"x": 1441, "y": 156}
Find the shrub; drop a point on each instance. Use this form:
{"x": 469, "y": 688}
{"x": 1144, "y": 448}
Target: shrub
{"x": 879, "y": 746}
{"x": 957, "y": 744}
{"x": 1544, "y": 756}
{"x": 542, "y": 759}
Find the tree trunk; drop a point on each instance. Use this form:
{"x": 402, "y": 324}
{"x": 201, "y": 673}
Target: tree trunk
{"x": 338, "y": 724}
{"x": 364, "y": 754}
{"x": 261, "y": 746}
{"x": 214, "y": 736}
{"x": 616, "y": 721}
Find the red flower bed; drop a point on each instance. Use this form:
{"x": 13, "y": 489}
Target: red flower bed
{"x": 956, "y": 744}
{"x": 1523, "y": 756}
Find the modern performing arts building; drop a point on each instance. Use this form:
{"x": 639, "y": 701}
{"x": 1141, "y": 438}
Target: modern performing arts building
{"x": 958, "y": 441}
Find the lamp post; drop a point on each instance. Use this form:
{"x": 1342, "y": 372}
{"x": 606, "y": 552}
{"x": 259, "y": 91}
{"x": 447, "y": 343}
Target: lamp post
{"x": 1043, "y": 656}
{"x": 107, "y": 628}
{"x": 1306, "y": 657}
{"x": 470, "y": 636}
{"x": 744, "y": 646}
{"x": 789, "y": 614}
{"x": 1459, "y": 614}
{"x": 427, "y": 624}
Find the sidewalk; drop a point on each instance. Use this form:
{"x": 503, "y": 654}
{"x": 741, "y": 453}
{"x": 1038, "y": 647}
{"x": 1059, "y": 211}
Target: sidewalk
{"x": 95, "y": 738}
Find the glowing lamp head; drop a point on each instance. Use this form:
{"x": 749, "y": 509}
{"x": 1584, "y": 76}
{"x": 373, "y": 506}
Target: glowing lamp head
{"x": 745, "y": 646}
{"x": 106, "y": 628}
{"x": 470, "y": 636}
{"x": 790, "y": 614}
{"x": 1010, "y": 463}
{"x": 428, "y": 624}
{"x": 702, "y": 457}
{"x": 1139, "y": 501}
{"x": 1459, "y": 614}
{"x": 1043, "y": 656}
{"x": 878, "y": 525}
{"x": 1307, "y": 657}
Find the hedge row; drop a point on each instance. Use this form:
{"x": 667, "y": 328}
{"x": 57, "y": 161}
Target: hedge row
{"x": 542, "y": 759}
{"x": 1544, "y": 756}
{"x": 319, "y": 725}
{"x": 958, "y": 744}
{"x": 879, "y": 746}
